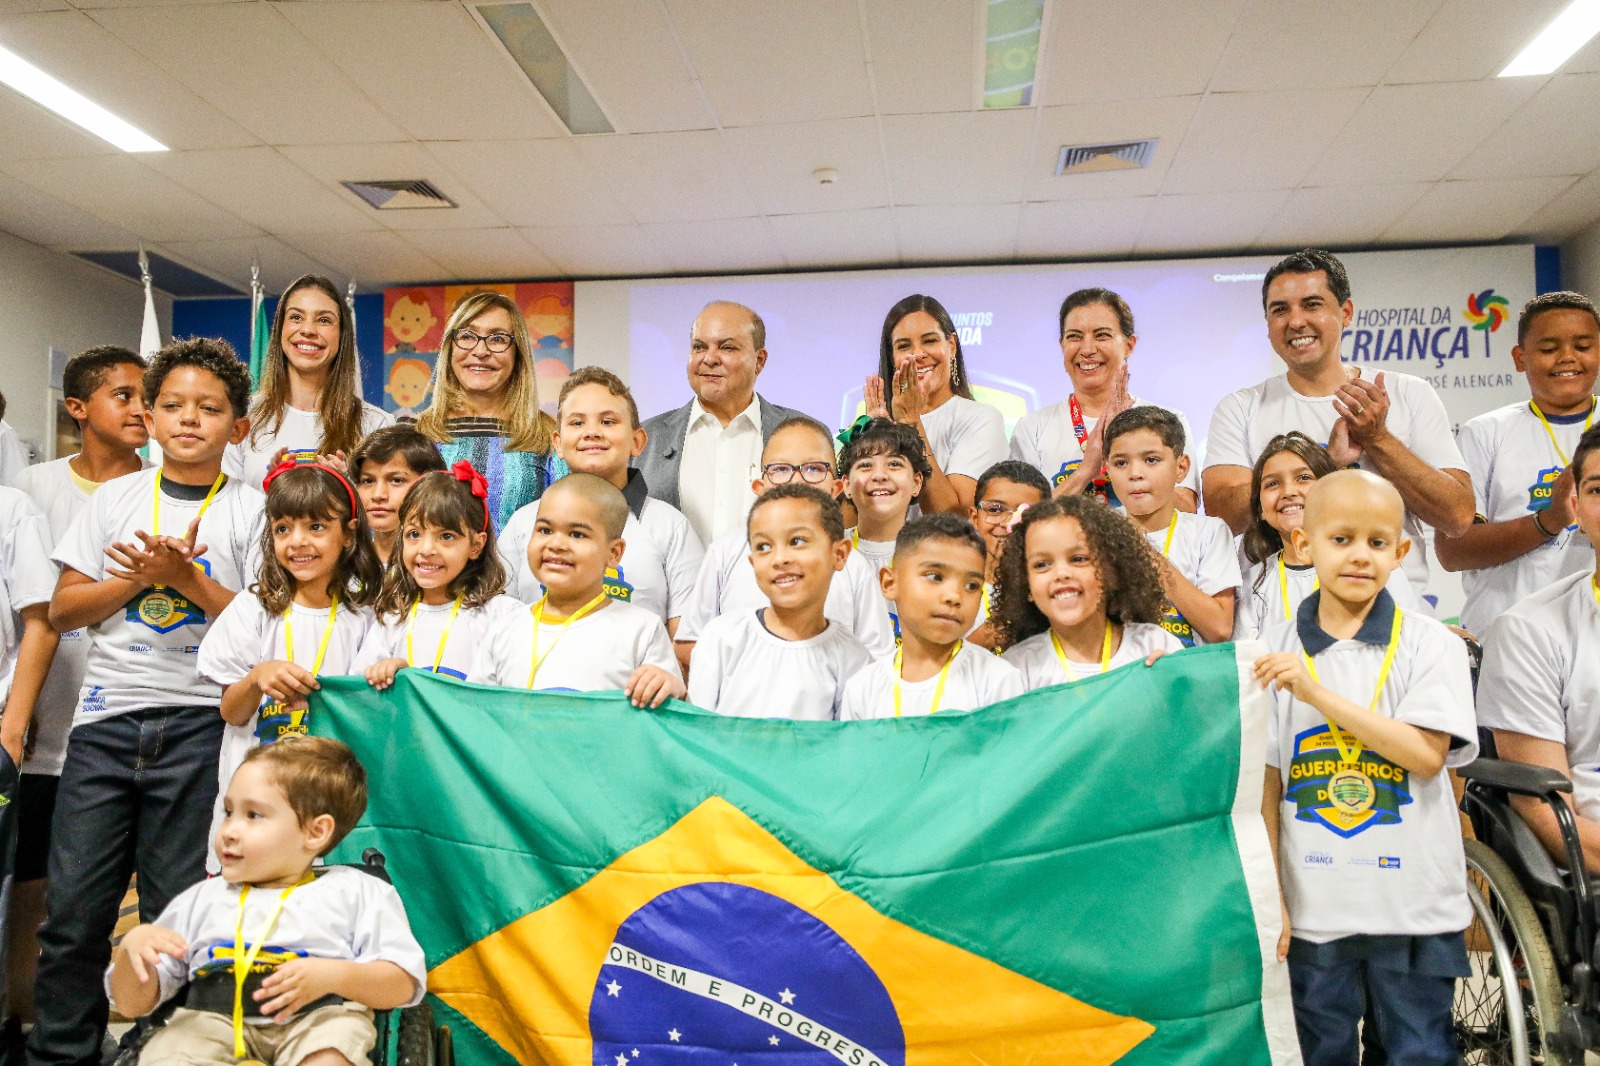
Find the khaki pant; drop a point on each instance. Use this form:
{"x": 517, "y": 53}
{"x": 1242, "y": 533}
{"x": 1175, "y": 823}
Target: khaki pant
{"x": 203, "y": 1038}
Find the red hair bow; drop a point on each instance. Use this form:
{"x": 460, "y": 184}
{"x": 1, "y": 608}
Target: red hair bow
{"x": 465, "y": 471}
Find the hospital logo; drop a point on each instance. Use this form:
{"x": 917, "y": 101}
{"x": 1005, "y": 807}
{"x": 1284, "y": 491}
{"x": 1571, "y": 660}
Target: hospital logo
{"x": 733, "y": 971}
{"x": 1348, "y": 798}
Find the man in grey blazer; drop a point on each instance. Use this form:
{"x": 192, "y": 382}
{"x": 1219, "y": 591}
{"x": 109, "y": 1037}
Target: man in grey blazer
{"x": 702, "y": 457}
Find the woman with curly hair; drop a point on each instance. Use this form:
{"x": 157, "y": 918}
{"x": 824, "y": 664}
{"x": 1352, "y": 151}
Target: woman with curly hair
{"x": 1079, "y": 594}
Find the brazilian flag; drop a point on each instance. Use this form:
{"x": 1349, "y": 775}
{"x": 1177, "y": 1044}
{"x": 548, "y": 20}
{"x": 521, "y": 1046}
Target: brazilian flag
{"x": 1080, "y": 875}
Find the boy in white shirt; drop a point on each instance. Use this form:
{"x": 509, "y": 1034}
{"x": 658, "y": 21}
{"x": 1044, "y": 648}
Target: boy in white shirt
{"x": 332, "y": 942}
{"x": 1371, "y": 706}
{"x": 787, "y": 659}
{"x": 935, "y": 582}
{"x": 800, "y": 451}
{"x": 605, "y": 643}
{"x": 103, "y": 390}
{"x": 1539, "y": 689}
{"x": 1525, "y": 535}
{"x": 597, "y": 432}
{"x": 152, "y": 560}
{"x": 1199, "y": 567}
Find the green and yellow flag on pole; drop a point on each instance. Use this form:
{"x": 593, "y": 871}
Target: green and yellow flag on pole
{"x": 1080, "y": 875}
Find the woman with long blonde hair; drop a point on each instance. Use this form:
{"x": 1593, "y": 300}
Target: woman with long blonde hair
{"x": 485, "y": 405}
{"x": 308, "y": 400}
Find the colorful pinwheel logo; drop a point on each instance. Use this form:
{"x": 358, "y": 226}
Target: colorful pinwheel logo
{"x": 1487, "y": 313}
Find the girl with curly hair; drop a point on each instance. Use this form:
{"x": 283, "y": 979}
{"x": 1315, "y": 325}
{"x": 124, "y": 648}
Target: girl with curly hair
{"x": 1079, "y": 594}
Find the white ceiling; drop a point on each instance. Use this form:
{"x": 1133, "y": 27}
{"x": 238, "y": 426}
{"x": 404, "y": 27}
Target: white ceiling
{"x": 1352, "y": 123}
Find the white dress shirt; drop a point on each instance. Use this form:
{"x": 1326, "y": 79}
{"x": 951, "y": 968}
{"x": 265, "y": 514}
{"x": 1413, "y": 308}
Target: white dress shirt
{"x": 718, "y": 464}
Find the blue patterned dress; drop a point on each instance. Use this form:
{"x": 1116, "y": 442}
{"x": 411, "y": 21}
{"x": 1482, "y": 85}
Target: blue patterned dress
{"x": 515, "y": 479}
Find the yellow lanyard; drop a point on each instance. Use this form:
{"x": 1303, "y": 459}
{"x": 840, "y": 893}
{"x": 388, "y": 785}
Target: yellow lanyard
{"x": 243, "y": 960}
{"x": 538, "y": 619}
{"x": 1545, "y": 422}
{"x": 1172, "y": 527}
{"x": 411, "y": 621}
{"x": 1066, "y": 667}
{"x": 855, "y": 539}
{"x": 987, "y": 610}
{"x": 327, "y": 635}
{"x": 1350, "y": 751}
{"x": 155, "y": 502}
{"x": 938, "y": 689}
{"x": 1283, "y": 587}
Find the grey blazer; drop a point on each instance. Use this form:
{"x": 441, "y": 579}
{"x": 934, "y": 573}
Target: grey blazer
{"x": 664, "y": 450}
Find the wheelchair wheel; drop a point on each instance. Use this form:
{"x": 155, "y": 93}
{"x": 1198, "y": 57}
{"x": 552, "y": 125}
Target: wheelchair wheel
{"x": 416, "y": 1045}
{"x": 1508, "y": 1013}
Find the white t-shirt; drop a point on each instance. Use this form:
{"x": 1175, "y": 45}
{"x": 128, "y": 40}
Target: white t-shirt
{"x": 1202, "y": 551}
{"x": 716, "y": 468}
{"x": 299, "y": 431}
{"x": 1045, "y": 439}
{"x": 659, "y": 562}
{"x": 143, "y": 655}
{"x": 62, "y": 496}
{"x": 965, "y": 436}
{"x": 877, "y": 554}
{"x": 726, "y": 584}
{"x": 27, "y": 577}
{"x": 1035, "y": 658}
{"x": 741, "y": 669}
{"x": 599, "y": 652}
{"x": 1246, "y": 420}
{"x": 13, "y": 457}
{"x": 344, "y": 914}
{"x": 246, "y": 635}
{"x": 1541, "y": 678}
{"x": 1391, "y": 864}
{"x": 1513, "y": 465}
{"x": 1256, "y": 608}
{"x": 463, "y": 639}
{"x": 977, "y": 678}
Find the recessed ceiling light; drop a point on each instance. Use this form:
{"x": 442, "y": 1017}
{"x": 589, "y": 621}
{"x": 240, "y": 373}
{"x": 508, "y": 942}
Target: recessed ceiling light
{"x": 72, "y": 105}
{"x": 1569, "y": 31}
{"x": 534, "y": 48}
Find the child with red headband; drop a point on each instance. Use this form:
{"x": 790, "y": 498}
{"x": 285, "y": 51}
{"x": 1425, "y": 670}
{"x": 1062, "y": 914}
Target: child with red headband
{"x": 444, "y": 588}
{"x": 305, "y": 616}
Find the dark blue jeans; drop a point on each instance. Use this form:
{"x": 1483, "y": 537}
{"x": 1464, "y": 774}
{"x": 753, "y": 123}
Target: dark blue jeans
{"x": 1411, "y": 1011}
{"x": 136, "y": 797}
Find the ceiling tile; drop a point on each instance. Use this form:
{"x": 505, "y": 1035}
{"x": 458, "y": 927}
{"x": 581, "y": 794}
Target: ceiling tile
{"x": 1214, "y": 222}
{"x": 430, "y": 67}
{"x": 1327, "y": 44}
{"x": 924, "y": 56}
{"x": 1134, "y": 120}
{"x": 957, "y": 234}
{"x": 230, "y": 260}
{"x": 31, "y": 132}
{"x": 1551, "y": 134}
{"x": 1569, "y": 213}
{"x": 37, "y": 216}
{"x": 1417, "y": 132}
{"x": 775, "y": 60}
{"x": 265, "y": 189}
{"x": 669, "y": 177}
{"x": 1266, "y": 140}
{"x": 1079, "y": 229}
{"x": 970, "y": 157}
{"x": 614, "y": 251}
{"x": 626, "y": 55}
{"x": 1133, "y": 49}
{"x": 530, "y": 183}
{"x": 778, "y": 162}
{"x": 374, "y": 259}
{"x": 1474, "y": 210}
{"x": 1467, "y": 40}
{"x": 250, "y": 62}
{"x": 837, "y": 238}
{"x": 140, "y": 200}
{"x": 718, "y": 246}
{"x": 1339, "y": 216}
{"x": 484, "y": 254}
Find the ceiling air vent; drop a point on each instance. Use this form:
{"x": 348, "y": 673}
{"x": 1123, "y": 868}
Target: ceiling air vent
{"x": 1093, "y": 158}
{"x": 399, "y": 195}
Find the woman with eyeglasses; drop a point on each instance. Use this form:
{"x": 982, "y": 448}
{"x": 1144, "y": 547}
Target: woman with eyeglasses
{"x": 922, "y": 382}
{"x": 485, "y": 405}
{"x": 308, "y": 401}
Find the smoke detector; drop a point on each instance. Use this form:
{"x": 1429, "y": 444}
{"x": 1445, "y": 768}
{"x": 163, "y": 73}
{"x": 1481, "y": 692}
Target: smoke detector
{"x": 825, "y": 175}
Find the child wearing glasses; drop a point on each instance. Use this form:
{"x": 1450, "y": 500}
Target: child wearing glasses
{"x": 1005, "y": 491}
{"x": 800, "y": 451}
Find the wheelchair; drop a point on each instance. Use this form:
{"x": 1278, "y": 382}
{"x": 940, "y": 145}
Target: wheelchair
{"x": 1534, "y": 996}
{"x": 406, "y": 1037}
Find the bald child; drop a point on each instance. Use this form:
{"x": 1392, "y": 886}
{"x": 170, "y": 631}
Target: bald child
{"x": 1370, "y": 705}
{"x": 576, "y": 637}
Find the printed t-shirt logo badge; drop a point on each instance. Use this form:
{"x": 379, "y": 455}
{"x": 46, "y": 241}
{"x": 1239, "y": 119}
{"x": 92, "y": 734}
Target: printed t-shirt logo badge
{"x": 1348, "y": 799}
{"x": 1540, "y": 492}
{"x": 275, "y": 721}
{"x": 616, "y": 586}
{"x": 165, "y": 609}
{"x": 1104, "y": 493}
{"x": 1178, "y": 626}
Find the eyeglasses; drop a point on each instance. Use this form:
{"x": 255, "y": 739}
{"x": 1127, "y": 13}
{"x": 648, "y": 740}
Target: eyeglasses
{"x": 810, "y": 473}
{"x": 994, "y": 509}
{"x": 466, "y": 340}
